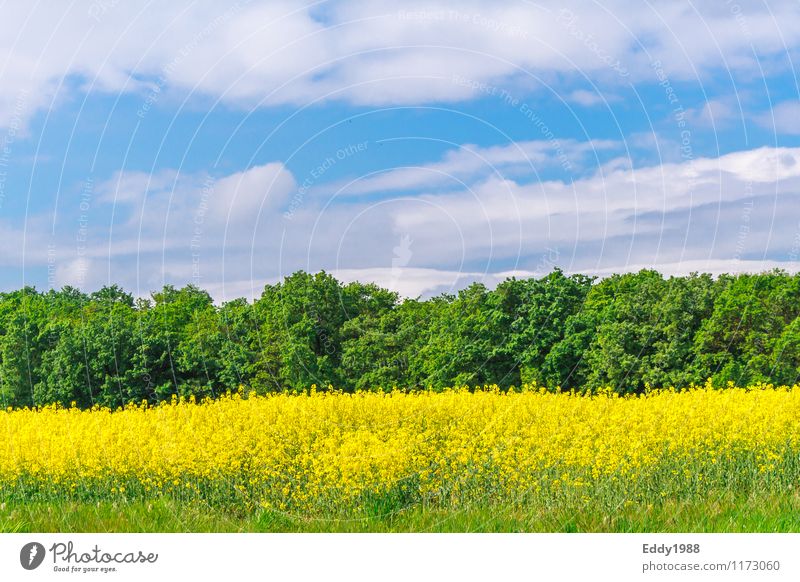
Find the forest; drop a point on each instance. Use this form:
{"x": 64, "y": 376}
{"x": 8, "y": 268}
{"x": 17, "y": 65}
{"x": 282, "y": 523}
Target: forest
{"x": 627, "y": 333}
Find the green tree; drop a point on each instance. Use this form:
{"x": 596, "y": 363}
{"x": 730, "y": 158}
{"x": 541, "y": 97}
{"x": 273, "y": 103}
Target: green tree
{"x": 737, "y": 342}
{"x": 24, "y": 339}
{"x": 539, "y": 311}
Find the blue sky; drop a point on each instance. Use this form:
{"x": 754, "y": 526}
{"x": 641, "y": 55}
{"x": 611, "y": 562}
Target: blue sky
{"x": 421, "y": 147}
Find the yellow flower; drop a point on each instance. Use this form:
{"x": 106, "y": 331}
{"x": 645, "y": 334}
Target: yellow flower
{"x": 328, "y": 449}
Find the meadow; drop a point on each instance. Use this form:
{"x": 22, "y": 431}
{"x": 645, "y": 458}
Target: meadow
{"x": 525, "y": 459}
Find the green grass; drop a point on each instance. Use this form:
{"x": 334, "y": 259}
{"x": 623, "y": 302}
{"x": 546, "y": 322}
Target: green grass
{"x": 765, "y": 512}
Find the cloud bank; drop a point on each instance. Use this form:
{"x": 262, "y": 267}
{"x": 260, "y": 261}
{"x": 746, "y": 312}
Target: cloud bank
{"x": 252, "y": 54}
{"x": 234, "y": 233}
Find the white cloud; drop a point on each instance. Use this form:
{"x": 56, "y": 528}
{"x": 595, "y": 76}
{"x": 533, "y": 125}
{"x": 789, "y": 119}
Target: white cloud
{"x": 131, "y": 186}
{"x": 377, "y": 53}
{"x": 715, "y": 113}
{"x": 408, "y": 282}
{"x": 230, "y": 234}
{"x": 735, "y": 211}
{"x": 429, "y": 282}
{"x": 165, "y": 227}
{"x": 502, "y": 216}
{"x": 589, "y": 98}
{"x": 712, "y": 266}
{"x": 79, "y": 273}
{"x": 167, "y": 203}
{"x": 784, "y": 118}
{"x": 243, "y": 195}
{"x": 469, "y": 161}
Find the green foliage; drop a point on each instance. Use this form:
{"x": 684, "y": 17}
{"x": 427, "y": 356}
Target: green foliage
{"x": 751, "y": 327}
{"x": 541, "y": 310}
{"x": 625, "y": 332}
{"x": 633, "y": 330}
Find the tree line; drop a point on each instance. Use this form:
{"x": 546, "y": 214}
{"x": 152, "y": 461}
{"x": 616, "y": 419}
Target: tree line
{"x": 627, "y": 332}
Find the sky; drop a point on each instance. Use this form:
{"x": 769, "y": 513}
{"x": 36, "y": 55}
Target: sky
{"x": 421, "y": 147}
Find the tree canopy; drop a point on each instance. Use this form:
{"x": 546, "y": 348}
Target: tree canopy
{"x": 625, "y": 332}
